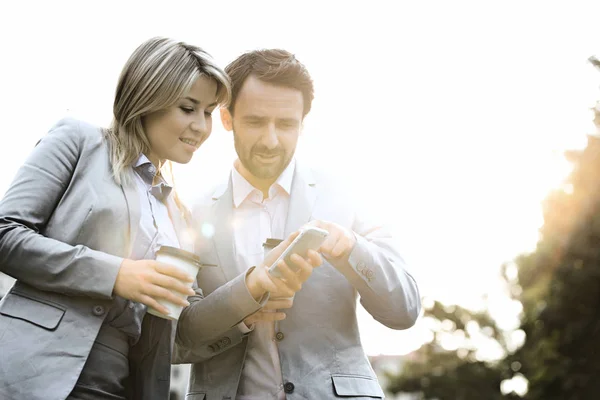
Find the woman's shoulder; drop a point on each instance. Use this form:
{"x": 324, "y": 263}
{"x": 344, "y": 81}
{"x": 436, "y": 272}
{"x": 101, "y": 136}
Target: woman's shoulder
{"x": 74, "y": 127}
{"x": 76, "y": 131}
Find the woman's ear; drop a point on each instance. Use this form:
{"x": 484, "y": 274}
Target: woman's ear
{"x": 226, "y": 119}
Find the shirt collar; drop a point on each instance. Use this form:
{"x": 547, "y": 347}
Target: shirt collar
{"x": 146, "y": 170}
{"x": 143, "y": 160}
{"x": 242, "y": 188}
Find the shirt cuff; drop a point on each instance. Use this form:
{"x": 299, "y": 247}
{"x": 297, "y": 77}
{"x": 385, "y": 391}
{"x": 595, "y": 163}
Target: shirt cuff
{"x": 245, "y": 328}
{"x": 360, "y": 259}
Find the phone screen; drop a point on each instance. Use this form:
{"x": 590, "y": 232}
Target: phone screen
{"x": 310, "y": 238}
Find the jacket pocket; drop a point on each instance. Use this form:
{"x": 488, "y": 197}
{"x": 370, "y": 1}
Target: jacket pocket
{"x": 356, "y": 386}
{"x": 195, "y": 396}
{"x": 37, "y": 311}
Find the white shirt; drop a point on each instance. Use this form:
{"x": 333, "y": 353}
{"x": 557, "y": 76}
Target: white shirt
{"x": 255, "y": 220}
{"x": 155, "y": 229}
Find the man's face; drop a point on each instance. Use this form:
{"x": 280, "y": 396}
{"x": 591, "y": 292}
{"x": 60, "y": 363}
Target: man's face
{"x": 266, "y": 126}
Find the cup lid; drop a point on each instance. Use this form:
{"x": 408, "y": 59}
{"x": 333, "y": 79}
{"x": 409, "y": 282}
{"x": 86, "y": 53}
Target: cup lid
{"x": 183, "y": 254}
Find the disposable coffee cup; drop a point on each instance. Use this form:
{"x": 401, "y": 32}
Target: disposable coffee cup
{"x": 184, "y": 261}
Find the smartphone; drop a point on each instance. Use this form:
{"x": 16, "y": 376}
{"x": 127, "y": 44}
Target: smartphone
{"x": 309, "y": 238}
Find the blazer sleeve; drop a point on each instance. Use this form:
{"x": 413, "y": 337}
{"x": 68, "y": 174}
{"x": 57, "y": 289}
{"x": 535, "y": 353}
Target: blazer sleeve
{"x": 36, "y": 191}
{"x": 377, "y": 271}
{"x": 209, "y": 325}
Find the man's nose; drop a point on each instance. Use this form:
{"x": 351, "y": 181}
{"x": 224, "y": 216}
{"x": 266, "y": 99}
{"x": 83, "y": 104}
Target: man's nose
{"x": 269, "y": 138}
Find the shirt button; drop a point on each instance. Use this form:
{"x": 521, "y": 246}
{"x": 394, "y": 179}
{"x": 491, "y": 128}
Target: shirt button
{"x": 98, "y": 310}
{"x": 279, "y": 336}
{"x": 288, "y": 387}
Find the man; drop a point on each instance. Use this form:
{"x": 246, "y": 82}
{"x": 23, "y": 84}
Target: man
{"x": 247, "y": 338}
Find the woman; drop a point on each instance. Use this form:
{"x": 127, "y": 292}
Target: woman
{"x": 79, "y": 228}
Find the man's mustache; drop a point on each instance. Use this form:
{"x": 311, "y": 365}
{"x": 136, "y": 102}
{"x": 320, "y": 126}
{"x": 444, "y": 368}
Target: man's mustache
{"x": 267, "y": 152}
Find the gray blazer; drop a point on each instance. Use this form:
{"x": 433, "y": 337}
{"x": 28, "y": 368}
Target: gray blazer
{"x": 64, "y": 227}
{"x": 320, "y": 349}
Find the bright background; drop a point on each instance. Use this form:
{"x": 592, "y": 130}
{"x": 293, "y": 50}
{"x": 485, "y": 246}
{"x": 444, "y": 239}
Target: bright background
{"x": 447, "y": 118}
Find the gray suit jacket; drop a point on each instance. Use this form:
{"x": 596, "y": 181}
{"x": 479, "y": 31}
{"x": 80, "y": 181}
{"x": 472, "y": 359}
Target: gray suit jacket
{"x": 64, "y": 227}
{"x": 321, "y": 353}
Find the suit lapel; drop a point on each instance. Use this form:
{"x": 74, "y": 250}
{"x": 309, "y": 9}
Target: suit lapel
{"x": 133, "y": 208}
{"x": 223, "y": 237}
{"x": 302, "y": 199}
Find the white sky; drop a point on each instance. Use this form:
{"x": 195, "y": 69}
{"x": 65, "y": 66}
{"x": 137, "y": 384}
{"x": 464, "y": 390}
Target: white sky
{"x": 449, "y": 118}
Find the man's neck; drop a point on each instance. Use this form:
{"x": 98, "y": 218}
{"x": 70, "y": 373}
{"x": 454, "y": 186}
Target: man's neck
{"x": 261, "y": 184}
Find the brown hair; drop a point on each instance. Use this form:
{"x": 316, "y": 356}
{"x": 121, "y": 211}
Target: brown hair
{"x": 275, "y": 66}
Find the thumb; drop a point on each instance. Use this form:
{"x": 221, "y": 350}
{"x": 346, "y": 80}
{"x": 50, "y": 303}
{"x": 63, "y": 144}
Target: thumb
{"x": 288, "y": 240}
{"x": 314, "y": 223}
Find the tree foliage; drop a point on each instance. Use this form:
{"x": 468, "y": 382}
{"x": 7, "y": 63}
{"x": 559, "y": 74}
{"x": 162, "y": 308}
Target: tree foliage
{"x": 559, "y": 287}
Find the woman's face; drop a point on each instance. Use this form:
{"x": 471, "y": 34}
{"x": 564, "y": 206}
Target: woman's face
{"x": 177, "y": 132}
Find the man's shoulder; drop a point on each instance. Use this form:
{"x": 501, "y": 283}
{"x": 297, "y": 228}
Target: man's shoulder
{"x": 323, "y": 178}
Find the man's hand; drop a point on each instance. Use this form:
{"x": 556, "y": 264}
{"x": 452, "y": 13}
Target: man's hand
{"x": 339, "y": 243}
{"x": 259, "y": 281}
{"x": 268, "y": 313}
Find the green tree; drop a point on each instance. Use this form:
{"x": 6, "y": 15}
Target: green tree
{"x": 559, "y": 287}
{"x": 459, "y": 374}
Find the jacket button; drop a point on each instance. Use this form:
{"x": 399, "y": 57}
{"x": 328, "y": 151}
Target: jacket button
{"x": 279, "y": 336}
{"x": 226, "y": 341}
{"x": 288, "y": 387}
{"x": 98, "y": 310}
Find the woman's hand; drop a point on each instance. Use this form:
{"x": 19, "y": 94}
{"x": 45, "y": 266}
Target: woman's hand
{"x": 146, "y": 281}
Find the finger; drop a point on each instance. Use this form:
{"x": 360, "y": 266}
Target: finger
{"x": 340, "y": 247}
{"x": 283, "y": 245}
{"x": 291, "y": 277}
{"x": 314, "y": 258}
{"x": 279, "y": 304}
{"x": 158, "y": 292}
{"x": 273, "y": 284}
{"x": 329, "y": 243}
{"x": 316, "y": 223}
{"x": 172, "y": 284}
{"x": 304, "y": 268}
{"x": 152, "y": 303}
{"x": 282, "y": 289}
{"x": 266, "y": 281}
{"x": 274, "y": 254}
{"x": 173, "y": 272}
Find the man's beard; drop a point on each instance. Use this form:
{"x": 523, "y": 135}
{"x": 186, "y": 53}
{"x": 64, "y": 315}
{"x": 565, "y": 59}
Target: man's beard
{"x": 257, "y": 169}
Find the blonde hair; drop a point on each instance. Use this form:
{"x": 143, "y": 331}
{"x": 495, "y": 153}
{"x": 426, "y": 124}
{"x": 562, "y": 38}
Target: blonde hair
{"x": 157, "y": 74}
